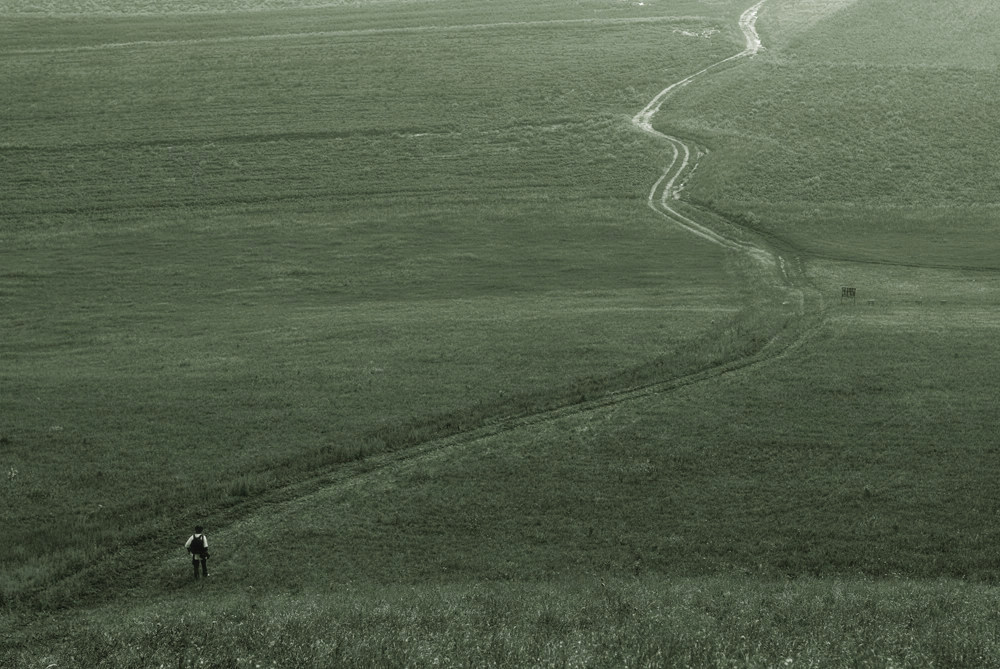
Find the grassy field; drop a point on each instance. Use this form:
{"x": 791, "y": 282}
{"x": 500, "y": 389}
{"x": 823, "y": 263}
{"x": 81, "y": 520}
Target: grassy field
{"x": 364, "y": 288}
{"x": 231, "y": 262}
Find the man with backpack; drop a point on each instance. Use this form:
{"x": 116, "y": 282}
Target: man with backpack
{"x": 197, "y": 546}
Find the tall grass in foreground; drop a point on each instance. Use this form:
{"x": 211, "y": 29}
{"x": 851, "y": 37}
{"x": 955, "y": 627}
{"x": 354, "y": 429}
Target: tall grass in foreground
{"x": 647, "y": 622}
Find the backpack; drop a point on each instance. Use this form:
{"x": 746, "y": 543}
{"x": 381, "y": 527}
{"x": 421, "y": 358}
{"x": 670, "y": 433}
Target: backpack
{"x": 197, "y": 546}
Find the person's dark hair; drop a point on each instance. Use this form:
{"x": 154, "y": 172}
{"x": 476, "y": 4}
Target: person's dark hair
{"x": 198, "y": 529}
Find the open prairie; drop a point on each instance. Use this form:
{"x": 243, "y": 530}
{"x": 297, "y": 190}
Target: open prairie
{"x": 499, "y": 333}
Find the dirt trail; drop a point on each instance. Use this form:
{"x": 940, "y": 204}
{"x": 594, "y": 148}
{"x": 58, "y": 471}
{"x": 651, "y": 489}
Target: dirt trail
{"x": 665, "y": 186}
{"x": 664, "y": 192}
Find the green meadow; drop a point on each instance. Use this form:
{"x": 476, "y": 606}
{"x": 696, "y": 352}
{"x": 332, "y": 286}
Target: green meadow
{"x": 372, "y": 291}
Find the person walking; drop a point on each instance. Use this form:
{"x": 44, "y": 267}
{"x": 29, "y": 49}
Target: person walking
{"x": 197, "y": 546}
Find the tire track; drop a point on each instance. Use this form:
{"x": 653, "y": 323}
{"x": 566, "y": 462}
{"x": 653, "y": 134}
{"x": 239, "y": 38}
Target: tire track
{"x": 351, "y": 476}
{"x": 664, "y": 190}
{"x": 347, "y": 33}
{"x": 684, "y": 161}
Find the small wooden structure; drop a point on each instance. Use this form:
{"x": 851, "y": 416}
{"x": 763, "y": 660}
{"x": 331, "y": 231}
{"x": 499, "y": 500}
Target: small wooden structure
{"x": 848, "y": 292}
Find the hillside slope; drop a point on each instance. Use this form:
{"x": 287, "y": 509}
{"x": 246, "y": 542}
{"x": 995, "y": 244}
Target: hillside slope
{"x": 868, "y": 134}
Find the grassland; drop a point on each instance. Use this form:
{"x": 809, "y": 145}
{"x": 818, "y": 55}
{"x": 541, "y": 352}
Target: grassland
{"x": 233, "y": 262}
{"x": 299, "y": 290}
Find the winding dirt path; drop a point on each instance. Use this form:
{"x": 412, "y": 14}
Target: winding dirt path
{"x": 791, "y": 276}
{"x": 664, "y": 190}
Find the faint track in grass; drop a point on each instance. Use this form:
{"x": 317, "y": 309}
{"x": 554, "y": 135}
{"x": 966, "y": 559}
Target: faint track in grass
{"x": 352, "y": 474}
{"x": 356, "y": 32}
